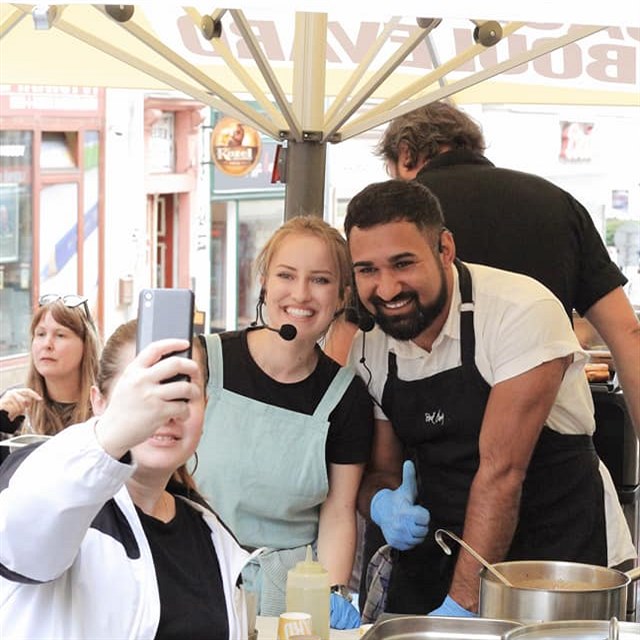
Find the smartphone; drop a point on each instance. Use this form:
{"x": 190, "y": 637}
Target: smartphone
{"x": 165, "y": 313}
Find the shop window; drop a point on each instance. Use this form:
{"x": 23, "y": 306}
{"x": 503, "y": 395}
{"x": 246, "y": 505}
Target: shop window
{"x": 59, "y": 238}
{"x": 16, "y": 241}
{"x": 91, "y": 194}
{"x": 59, "y": 150}
{"x": 257, "y": 220}
{"x": 68, "y": 233}
{"x": 218, "y": 262}
{"x": 163, "y": 157}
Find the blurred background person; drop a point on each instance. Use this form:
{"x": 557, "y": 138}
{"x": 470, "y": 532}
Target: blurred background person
{"x": 65, "y": 350}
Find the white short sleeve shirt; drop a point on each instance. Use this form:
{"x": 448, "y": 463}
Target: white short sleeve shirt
{"x": 518, "y": 323}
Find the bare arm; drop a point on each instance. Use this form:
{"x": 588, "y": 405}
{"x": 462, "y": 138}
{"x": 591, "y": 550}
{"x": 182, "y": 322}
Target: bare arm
{"x": 338, "y": 340}
{"x": 337, "y": 529}
{"x": 514, "y": 417}
{"x": 614, "y": 319}
{"x": 384, "y": 470}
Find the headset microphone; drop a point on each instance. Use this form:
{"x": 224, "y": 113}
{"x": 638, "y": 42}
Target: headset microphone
{"x": 358, "y": 315}
{"x": 366, "y": 323}
{"x": 287, "y": 331}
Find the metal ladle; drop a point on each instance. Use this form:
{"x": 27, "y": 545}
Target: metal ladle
{"x": 466, "y": 547}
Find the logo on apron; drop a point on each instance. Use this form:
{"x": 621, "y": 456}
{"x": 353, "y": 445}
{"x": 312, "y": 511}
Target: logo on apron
{"x": 434, "y": 418}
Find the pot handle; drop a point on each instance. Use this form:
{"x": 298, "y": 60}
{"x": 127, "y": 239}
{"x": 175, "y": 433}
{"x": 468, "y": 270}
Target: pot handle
{"x": 614, "y": 629}
{"x": 633, "y": 574}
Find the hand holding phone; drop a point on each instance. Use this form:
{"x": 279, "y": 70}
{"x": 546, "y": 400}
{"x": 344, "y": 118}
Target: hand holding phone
{"x": 165, "y": 313}
{"x": 140, "y": 404}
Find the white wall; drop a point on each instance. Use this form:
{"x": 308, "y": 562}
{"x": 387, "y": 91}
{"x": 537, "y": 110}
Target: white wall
{"x": 125, "y": 238}
{"x": 200, "y": 241}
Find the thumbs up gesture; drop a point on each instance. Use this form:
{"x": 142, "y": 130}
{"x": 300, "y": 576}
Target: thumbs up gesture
{"x": 403, "y": 523}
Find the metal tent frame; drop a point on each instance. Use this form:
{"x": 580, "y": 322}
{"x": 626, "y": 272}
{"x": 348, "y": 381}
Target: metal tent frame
{"x": 290, "y": 105}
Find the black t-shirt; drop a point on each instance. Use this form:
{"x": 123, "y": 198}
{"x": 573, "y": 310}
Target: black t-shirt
{"x": 351, "y": 421}
{"x": 523, "y": 223}
{"x": 7, "y": 425}
{"x": 192, "y": 603}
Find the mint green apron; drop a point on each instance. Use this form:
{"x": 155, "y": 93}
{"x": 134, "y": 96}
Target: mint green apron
{"x": 263, "y": 469}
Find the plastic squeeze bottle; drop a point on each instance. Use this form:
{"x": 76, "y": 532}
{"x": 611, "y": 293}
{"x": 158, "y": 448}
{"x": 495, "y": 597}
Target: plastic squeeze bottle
{"x": 308, "y": 590}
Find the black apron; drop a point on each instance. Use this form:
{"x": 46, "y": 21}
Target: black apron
{"x": 438, "y": 420}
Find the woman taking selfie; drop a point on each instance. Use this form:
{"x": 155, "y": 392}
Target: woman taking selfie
{"x": 287, "y": 430}
{"x": 103, "y": 534}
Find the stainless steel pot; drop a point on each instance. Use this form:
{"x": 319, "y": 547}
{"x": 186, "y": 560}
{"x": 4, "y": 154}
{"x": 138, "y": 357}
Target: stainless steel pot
{"x": 549, "y": 590}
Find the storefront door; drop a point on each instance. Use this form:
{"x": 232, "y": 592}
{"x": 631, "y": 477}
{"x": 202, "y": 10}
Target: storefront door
{"x": 162, "y": 236}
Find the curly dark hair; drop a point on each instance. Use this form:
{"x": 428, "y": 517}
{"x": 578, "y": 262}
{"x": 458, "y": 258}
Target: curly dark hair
{"x": 423, "y": 130}
{"x": 394, "y": 201}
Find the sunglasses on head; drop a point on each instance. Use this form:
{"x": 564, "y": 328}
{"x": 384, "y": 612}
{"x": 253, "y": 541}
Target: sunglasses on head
{"x": 70, "y": 300}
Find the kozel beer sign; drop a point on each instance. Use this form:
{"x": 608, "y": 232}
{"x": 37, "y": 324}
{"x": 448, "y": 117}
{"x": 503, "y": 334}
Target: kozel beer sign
{"x": 235, "y": 147}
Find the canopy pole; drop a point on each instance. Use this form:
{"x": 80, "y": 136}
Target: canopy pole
{"x": 305, "y": 174}
{"x": 306, "y": 152}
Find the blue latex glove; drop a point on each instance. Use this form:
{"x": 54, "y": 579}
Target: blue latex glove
{"x": 403, "y": 523}
{"x": 452, "y": 609}
{"x": 343, "y": 614}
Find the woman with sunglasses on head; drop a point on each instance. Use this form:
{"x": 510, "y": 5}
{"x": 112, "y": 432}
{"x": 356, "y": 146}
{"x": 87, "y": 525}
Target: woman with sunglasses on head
{"x": 287, "y": 430}
{"x": 123, "y": 547}
{"x": 63, "y": 366}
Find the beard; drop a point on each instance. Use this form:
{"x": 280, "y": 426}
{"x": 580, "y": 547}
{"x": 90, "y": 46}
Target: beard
{"x": 411, "y": 324}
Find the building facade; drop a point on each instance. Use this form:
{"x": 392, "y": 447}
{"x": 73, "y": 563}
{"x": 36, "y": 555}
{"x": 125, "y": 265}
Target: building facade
{"x": 102, "y": 193}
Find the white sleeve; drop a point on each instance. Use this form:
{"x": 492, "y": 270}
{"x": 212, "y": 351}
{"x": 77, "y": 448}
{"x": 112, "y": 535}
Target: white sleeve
{"x": 521, "y": 337}
{"x": 50, "y": 501}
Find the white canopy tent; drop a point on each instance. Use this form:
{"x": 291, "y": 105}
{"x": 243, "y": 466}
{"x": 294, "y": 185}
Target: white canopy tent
{"x": 310, "y": 72}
